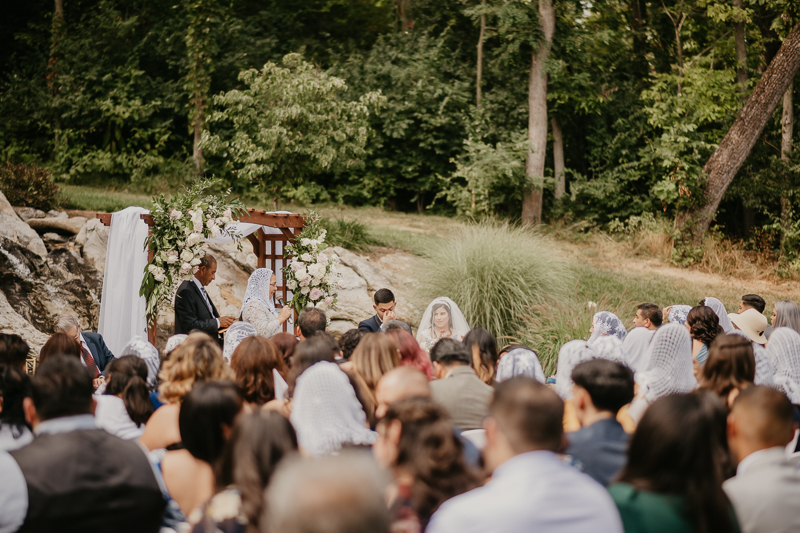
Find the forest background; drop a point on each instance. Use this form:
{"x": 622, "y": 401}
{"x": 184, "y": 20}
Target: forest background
{"x": 412, "y": 105}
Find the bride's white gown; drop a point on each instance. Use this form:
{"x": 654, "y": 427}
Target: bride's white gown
{"x": 427, "y": 333}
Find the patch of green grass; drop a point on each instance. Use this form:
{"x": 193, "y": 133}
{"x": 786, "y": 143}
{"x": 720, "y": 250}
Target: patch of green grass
{"x": 93, "y": 199}
{"x": 347, "y": 233}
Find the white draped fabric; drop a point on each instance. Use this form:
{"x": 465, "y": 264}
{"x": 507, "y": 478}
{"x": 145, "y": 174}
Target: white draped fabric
{"x": 122, "y": 310}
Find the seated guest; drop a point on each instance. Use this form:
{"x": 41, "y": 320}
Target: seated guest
{"x": 531, "y": 488}
{"x": 124, "y": 408}
{"x": 411, "y": 353}
{"x": 730, "y": 368}
{"x": 457, "y": 388}
{"x": 254, "y": 363}
{"x": 394, "y": 325}
{"x": 258, "y": 305}
{"x": 752, "y": 301}
{"x": 718, "y": 308}
{"x": 194, "y": 309}
{"x": 173, "y": 342}
{"x": 373, "y": 357}
{"x": 784, "y": 353}
{"x": 206, "y": 419}
{"x": 648, "y": 316}
{"x": 341, "y": 494}
{"x": 636, "y": 345}
{"x": 95, "y": 351}
{"x": 259, "y": 442}
{"x": 348, "y": 342}
{"x": 148, "y": 353}
{"x": 766, "y": 488}
{"x": 519, "y": 361}
{"x": 601, "y": 388}
{"x": 238, "y": 332}
{"x": 785, "y": 314}
{"x": 416, "y": 443}
{"x": 286, "y": 343}
{"x": 13, "y": 350}
{"x": 385, "y": 305}
{"x": 15, "y": 386}
{"x": 60, "y": 344}
{"x": 310, "y": 322}
{"x": 676, "y": 460}
{"x": 752, "y": 323}
{"x": 76, "y": 477}
{"x": 483, "y": 348}
{"x": 703, "y": 325}
{"x": 198, "y": 359}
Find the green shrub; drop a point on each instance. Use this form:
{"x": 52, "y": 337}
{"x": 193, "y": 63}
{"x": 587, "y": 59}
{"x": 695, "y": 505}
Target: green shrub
{"x": 29, "y": 186}
{"x": 496, "y": 273}
{"x": 349, "y": 234}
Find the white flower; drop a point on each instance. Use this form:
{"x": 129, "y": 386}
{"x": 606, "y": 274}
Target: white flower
{"x": 306, "y": 257}
{"x": 215, "y": 231}
{"x": 186, "y": 256}
{"x": 305, "y": 242}
{"x": 297, "y": 265}
{"x": 172, "y": 257}
{"x": 186, "y": 267}
{"x": 304, "y": 290}
{"x": 152, "y": 268}
{"x": 194, "y": 238}
{"x": 591, "y": 305}
{"x": 291, "y": 284}
{"x": 228, "y": 214}
{"x": 300, "y": 274}
{"x": 211, "y": 223}
{"x": 322, "y": 235}
{"x": 175, "y": 214}
{"x": 316, "y": 270}
{"x": 198, "y": 227}
{"x": 315, "y": 294}
{"x": 195, "y": 261}
{"x": 160, "y": 277}
{"x": 322, "y": 259}
{"x": 328, "y": 301}
{"x": 305, "y": 281}
{"x": 315, "y": 282}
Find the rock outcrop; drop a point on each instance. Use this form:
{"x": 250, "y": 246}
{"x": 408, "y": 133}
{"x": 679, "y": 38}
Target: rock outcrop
{"x": 15, "y": 230}
{"x": 63, "y": 224}
{"x": 93, "y": 239}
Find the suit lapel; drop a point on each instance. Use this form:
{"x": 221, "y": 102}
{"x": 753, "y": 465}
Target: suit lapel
{"x": 214, "y": 313}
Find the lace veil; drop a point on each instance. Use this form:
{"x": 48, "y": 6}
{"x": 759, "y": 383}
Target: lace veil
{"x": 669, "y": 369}
{"x": 258, "y": 290}
{"x": 459, "y": 324}
{"x": 784, "y": 354}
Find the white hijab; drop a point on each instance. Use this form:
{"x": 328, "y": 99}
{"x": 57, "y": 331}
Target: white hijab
{"x": 147, "y": 352}
{"x": 173, "y": 342}
{"x": 669, "y": 368}
{"x": 459, "y": 323}
{"x": 719, "y": 309}
{"x": 569, "y": 356}
{"x": 678, "y": 314}
{"x": 636, "y": 344}
{"x": 784, "y": 354}
{"x": 520, "y": 362}
{"x": 238, "y": 332}
{"x": 258, "y": 290}
{"x": 605, "y": 324}
{"x": 326, "y": 413}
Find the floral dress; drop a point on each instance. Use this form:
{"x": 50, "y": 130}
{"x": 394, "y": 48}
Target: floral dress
{"x": 221, "y": 514}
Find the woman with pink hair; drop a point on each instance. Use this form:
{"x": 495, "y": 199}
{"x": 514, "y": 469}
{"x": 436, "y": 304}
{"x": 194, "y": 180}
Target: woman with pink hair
{"x": 411, "y": 354}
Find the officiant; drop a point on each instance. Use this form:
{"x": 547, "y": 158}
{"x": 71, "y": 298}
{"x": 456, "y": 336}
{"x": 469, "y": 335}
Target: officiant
{"x": 194, "y": 310}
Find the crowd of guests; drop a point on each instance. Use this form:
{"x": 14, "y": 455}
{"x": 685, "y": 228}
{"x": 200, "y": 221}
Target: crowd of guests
{"x": 685, "y": 423}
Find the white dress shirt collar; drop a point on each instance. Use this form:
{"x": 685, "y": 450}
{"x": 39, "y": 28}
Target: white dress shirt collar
{"x": 754, "y": 457}
{"x": 65, "y": 424}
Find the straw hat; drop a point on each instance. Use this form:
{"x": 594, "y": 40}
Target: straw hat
{"x": 752, "y": 323}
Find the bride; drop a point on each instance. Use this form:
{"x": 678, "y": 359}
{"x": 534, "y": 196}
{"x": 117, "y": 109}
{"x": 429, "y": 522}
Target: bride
{"x": 258, "y": 308}
{"x": 441, "y": 320}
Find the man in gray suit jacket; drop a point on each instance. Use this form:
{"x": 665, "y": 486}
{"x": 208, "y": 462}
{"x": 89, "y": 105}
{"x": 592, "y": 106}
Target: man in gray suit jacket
{"x": 457, "y": 388}
{"x": 766, "y": 488}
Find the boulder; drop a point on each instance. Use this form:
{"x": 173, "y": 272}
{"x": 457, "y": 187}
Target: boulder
{"x": 13, "y": 323}
{"x": 363, "y": 267}
{"x": 338, "y": 327}
{"x": 53, "y": 237}
{"x": 93, "y": 237}
{"x": 353, "y": 304}
{"x": 61, "y": 225}
{"x": 53, "y": 213}
{"x": 14, "y": 229}
{"x": 27, "y": 213}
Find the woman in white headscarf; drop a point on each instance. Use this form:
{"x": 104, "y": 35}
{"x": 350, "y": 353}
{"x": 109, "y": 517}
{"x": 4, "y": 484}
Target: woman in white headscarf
{"x": 784, "y": 354}
{"x": 677, "y": 314}
{"x": 724, "y": 322}
{"x": 636, "y": 346}
{"x": 149, "y": 353}
{"x": 441, "y": 320}
{"x": 520, "y": 361}
{"x": 238, "y": 332}
{"x": 258, "y": 307}
{"x": 326, "y": 413}
{"x": 606, "y": 323}
{"x": 569, "y": 356}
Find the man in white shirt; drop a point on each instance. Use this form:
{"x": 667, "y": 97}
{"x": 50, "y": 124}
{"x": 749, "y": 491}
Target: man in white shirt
{"x": 766, "y": 488}
{"x": 531, "y": 488}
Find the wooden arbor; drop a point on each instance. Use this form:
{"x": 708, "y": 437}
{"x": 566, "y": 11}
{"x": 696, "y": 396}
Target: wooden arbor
{"x": 268, "y": 245}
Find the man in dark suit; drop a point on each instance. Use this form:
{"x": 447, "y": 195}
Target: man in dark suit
{"x": 384, "y": 310}
{"x": 98, "y": 353}
{"x": 194, "y": 309}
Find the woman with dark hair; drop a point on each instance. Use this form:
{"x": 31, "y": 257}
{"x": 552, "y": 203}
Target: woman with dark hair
{"x": 677, "y": 461}
{"x": 483, "y": 347}
{"x": 703, "y": 325}
{"x": 254, "y": 361}
{"x": 125, "y": 407}
{"x": 416, "y": 443}
{"x": 15, "y": 386}
{"x": 206, "y": 420}
{"x": 59, "y": 344}
{"x": 730, "y": 367}
{"x": 286, "y": 343}
{"x": 349, "y": 341}
{"x": 411, "y": 354}
{"x": 259, "y": 442}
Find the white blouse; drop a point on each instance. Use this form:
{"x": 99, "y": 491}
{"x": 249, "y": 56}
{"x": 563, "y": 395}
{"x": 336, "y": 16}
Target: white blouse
{"x": 257, "y": 314}
{"x": 112, "y": 416}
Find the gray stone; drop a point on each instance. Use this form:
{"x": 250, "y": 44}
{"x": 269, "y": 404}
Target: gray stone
{"x": 93, "y": 237}
{"x": 53, "y": 213}
{"x": 363, "y": 267}
{"x": 53, "y": 237}
{"x": 12, "y": 322}
{"x": 353, "y": 304}
{"x": 27, "y": 213}
{"x": 338, "y": 327}
{"x": 61, "y": 224}
{"x": 14, "y": 229}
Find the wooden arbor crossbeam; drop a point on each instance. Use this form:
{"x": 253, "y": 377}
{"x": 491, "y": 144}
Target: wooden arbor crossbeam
{"x": 265, "y": 245}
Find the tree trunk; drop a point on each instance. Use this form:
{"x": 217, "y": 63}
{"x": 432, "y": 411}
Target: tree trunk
{"x": 741, "y": 50}
{"x": 537, "y": 119}
{"x": 406, "y": 21}
{"x": 55, "y": 53}
{"x": 199, "y": 118}
{"x": 731, "y": 153}
{"x": 558, "y": 157}
{"x": 787, "y": 129}
{"x": 479, "y": 75}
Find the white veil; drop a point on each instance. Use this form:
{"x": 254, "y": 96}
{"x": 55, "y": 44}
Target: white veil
{"x": 258, "y": 290}
{"x": 459, "y": 323}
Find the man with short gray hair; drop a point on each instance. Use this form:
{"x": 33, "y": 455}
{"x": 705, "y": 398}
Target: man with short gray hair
{"x": 94, "y": 352}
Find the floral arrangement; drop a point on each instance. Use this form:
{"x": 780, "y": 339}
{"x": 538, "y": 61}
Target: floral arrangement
{"x": 177, "y": 239}
{"x": 311, "y": 275}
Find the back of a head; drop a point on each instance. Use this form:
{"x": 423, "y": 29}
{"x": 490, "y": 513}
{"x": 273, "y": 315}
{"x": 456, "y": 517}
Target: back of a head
{"x": 788, "y": 315}
{"x": 333, "y": 494}
{"x": 13, "y": 350}
{"x": 127, "y": 378}
{"x": 66, "y": 323}
{"x": 60, "y": 344}
{"x": 383, "y": 296}
{"x": 286, "y": 343}
{"x": 197, "y": 359}
{"x": 311, "y": 320}
{"x": 204, "y": 411}
{"x": 483, "y": 351}
{"x": 395, "y": 325}
{"x": 765, "y": 416}
{"x": 15, "y": 386}
{"x": 61, "y": 387}
{"x": 609, "y": 384}
{"x": 651, "y": 312}
{"x": 309, "y": 352}
{"x": 448, "y": 352}
{"x": 406, "y": 382}
{"x": 253, "y": 362}
{"x": 411, "y": 353}
{"x": 755, "y": 301}
{"x": 349, "y": 340}
{"x": 703, "y": 324}
{"x": 730, "y": 364}
{"x": 529, "y": 414}
{"x": 373, "y": 357}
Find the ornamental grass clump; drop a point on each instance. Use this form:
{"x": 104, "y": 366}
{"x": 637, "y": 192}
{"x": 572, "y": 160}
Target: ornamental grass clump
{"x": 496, "y": 273}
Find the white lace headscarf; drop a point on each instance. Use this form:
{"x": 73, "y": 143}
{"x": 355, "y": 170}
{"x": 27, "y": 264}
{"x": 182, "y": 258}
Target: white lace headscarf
{"x": 669, "y": 369}
{"x": 173, "y": 342}
{"x": 460, "y": 327}
{"x": 607, "y": 323}
{"x": 716, "y": 306}
{"x": 520, "y": 362}
{"x": 611, "y": 349}
{"x": 765, "y": 372}
{"x": 238, "y": 332}
{"x": 784, "y": 354}
{"x": 149, "y": 353}
{"x": 678, "y": 314}
{"x": 636, "y": 345}
{"x": 258, "y": 290}
{"x": 326, "y": 413}
{"x": 569, "y": 356}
